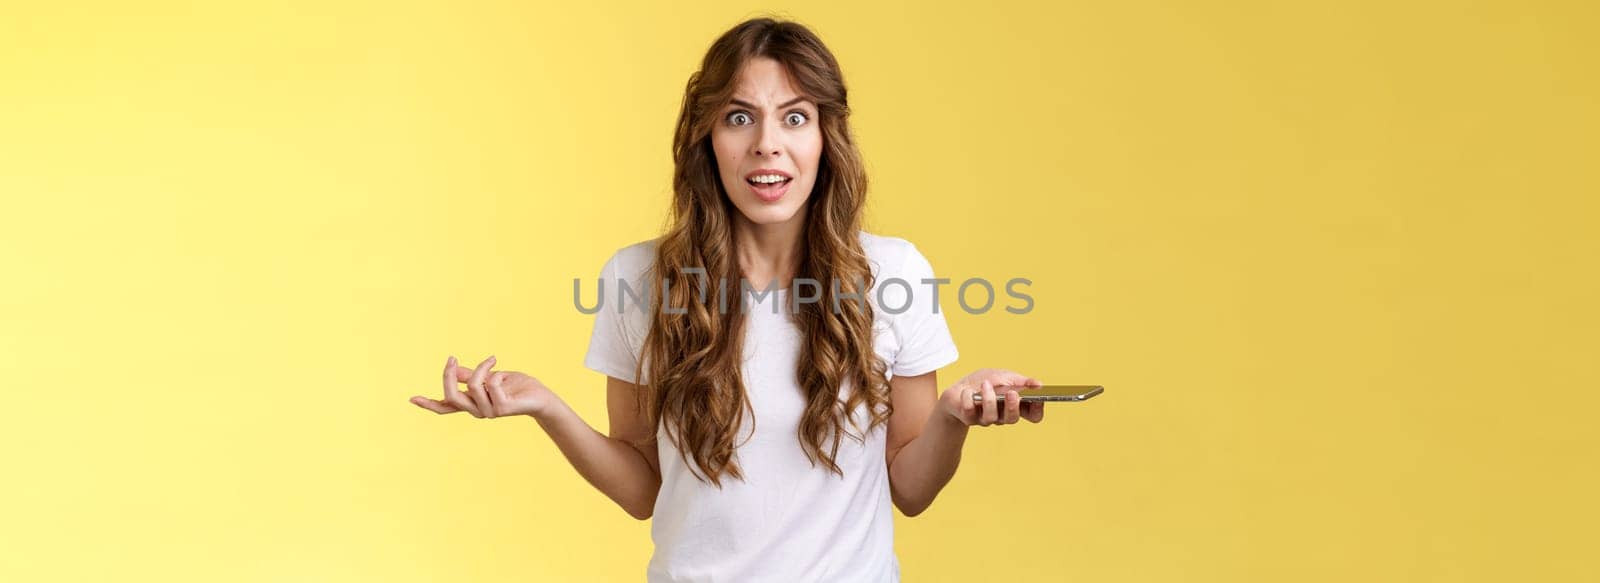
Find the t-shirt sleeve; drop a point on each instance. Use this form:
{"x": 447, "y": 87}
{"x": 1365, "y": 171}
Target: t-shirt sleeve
{"x": 925, "y": 342}
{"x": 616, "y": 341}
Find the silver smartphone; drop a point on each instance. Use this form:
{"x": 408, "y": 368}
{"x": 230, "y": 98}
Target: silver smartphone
{"x": 1045, "y": 393}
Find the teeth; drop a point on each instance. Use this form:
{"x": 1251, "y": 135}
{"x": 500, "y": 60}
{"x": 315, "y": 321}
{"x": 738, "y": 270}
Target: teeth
{"x": 767, "y": 178}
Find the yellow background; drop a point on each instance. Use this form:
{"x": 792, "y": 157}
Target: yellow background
{"x": 1334, "y": 262}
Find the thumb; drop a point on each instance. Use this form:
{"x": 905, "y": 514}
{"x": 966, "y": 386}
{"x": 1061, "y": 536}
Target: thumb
{"x": 440, "y": 407}
{"x": 1015, "y": 379}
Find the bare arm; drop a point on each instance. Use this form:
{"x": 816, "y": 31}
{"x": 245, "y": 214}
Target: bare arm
{"x": 924, "y": 446}
{"x": 622, "y": 465}
{"x": 928, "y": 430}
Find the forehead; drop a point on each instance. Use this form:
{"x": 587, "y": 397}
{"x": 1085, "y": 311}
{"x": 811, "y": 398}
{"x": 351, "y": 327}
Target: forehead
{"x": 763, "y": 80}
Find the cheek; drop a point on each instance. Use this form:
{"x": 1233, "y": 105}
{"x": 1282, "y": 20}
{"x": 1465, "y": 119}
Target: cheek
{"x": 808, "y": 151}
{"x": 726, "y": 149}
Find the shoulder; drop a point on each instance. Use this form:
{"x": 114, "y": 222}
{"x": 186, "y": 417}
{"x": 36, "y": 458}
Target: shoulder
{"x": 625, "y": 279}
{"x": 889, "y": 256}
{"x": 622, "y": 317}
{"x": 906, "y": 306}
{"x": 899, "y": 272}
{"x": 631, "y": 263}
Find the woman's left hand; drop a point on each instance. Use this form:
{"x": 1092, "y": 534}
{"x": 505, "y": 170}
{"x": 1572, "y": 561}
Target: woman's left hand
{"x": 995, "y": 409}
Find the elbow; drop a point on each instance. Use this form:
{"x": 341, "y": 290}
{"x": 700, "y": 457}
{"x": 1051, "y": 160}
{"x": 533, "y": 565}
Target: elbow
{"x": 909, "y": 508}
{"x": 642, "y": 505}
{"x": 642, "y": 511}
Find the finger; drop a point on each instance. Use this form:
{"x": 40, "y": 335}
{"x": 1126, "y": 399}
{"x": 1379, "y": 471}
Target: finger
{"x": 969, "y": 409}
{"x": 1033, "y": 412}
{"x": 991, "y": 412}
{"x": 1006, "y": 379}
{"x": 452, "y": 395}
{"x": 1013, "y": 403}
{"x": 497, "y": 393}
{"x": 439, "y": 407}
{"x": 475, "y": 387}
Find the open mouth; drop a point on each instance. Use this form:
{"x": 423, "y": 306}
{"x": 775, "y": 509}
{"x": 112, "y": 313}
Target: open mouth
{"x": 769, "y": 190}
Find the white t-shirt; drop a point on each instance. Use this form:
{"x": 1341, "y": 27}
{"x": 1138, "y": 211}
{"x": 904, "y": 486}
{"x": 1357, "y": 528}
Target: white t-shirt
{"x": 788, "y": 521}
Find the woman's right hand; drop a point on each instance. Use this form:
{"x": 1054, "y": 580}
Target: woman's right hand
{"x": 489, "y": 393}
{"x": 997, "y": 409}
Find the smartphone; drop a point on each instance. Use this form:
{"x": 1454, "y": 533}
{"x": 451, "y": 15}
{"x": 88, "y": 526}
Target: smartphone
{"x": 1045, "y": 393}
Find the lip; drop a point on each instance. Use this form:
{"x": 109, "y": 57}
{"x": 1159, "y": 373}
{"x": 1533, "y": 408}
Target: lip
{"x": 769, "y": 193}
{"x": 755, "y": 173}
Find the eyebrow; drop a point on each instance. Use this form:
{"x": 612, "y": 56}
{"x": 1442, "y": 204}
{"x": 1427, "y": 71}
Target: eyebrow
{"x": 788, "y": 103}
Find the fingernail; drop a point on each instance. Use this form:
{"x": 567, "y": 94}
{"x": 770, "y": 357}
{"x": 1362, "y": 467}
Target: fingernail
{"x": 452, "y": 361}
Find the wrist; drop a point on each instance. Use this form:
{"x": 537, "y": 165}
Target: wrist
{"x": 547, "y": 412}
{"x": 952, "y": 422}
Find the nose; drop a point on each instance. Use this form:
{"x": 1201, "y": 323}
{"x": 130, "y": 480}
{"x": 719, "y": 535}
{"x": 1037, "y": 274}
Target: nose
{"x": 767, "y": 142}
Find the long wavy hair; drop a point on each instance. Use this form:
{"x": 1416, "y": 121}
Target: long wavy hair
{"x": 695, "y": 388}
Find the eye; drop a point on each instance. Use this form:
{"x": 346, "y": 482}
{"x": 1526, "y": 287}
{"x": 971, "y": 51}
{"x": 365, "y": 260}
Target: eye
{"x": 796, "y": 118}
{"x": 736, "y": 117}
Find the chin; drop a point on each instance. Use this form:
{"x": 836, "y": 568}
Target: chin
{"x": 761, "y": 213}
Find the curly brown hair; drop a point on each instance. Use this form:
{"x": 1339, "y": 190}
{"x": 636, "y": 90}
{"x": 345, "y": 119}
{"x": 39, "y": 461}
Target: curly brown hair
{"x": 695, "y": 388}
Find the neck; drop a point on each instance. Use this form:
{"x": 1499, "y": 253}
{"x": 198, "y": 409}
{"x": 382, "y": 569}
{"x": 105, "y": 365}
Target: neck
{"x": 769, "y": 253}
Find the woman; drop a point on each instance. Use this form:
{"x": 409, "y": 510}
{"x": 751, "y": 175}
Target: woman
{"x": 737, "y": 425}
